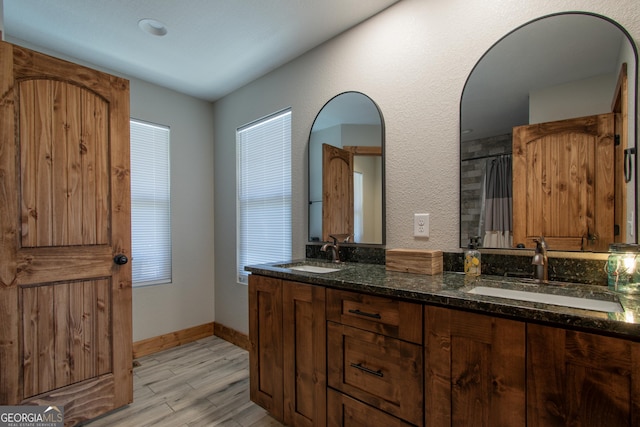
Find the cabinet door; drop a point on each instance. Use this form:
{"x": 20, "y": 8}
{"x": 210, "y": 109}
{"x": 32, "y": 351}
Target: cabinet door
{"x": 576, "y": 378}
{"x": 304, "y": 337}
{"x": 265, "y": 335}
{"x": 475, "y": 369}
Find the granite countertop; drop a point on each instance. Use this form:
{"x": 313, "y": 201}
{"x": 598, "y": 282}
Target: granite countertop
{"x": 450, "y": 289}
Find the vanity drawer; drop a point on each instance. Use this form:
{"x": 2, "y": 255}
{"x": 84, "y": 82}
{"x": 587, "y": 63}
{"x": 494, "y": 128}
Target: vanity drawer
{"x": 382, "y": 371}
{"x": 387, "y": 316}
{"x": 344, "y": 411}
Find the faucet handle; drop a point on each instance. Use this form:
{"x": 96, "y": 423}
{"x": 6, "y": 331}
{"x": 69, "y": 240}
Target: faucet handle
{"x": 540, "y": 243}
{"x": 340, "y": 238}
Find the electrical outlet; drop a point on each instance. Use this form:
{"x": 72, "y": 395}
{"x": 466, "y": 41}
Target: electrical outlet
{"x": 421, "y": 225}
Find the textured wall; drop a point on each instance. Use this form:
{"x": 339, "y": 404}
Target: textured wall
{"x": 412, "y": 60}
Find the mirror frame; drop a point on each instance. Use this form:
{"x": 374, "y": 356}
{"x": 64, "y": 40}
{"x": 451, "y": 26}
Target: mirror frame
{"x": 634, "y": 137}
{"x": 383, "y": 173}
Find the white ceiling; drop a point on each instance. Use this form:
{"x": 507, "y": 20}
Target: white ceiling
{"x": 212, "y": 47}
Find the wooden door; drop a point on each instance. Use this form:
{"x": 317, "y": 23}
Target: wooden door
{"x": 65, "y": 306}
{"x": 580, "y": 379}
{"x": 476, "y": 369}
{"x": 337, "y": 191}
{"x": 563, "y": 183}
{"x": 265, "y": 336}
{"x": 304, "y": 355}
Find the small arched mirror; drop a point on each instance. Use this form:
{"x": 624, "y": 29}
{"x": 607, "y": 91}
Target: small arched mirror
{"x": 346, "y": 171}
{"x": 548, "y": 137}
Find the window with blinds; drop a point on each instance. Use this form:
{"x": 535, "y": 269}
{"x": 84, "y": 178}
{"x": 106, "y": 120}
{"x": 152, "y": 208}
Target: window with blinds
{"x": 263, "y": 152}
{"x": 150, "y": 204}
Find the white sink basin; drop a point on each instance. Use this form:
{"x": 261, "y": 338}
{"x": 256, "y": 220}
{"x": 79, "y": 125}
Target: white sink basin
{"x": 545, "y": 298}
{"x": 313, "y": 269}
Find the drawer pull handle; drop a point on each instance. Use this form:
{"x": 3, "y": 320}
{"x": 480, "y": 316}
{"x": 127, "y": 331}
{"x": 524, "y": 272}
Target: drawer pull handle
{"x": 377, "y": 373}
{"x": 364, "y": 313}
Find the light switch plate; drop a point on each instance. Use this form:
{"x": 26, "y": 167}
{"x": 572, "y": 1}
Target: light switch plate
{"x": 421, "y": 225}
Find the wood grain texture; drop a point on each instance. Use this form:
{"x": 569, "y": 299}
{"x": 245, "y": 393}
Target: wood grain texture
{"x": 576, "y": 378}
{"x": 304, "y": 355}
{"x": 387, "y": 316}
{"x": 199, "y": 384}
{"x": 60, "y": 324}
{"x": 266, "y": 353}
{"x": 475, "y": 369}
{"x": 419, "y": 261}
{"x": 384, "y": 372}
{"x": 10, "y": 387}
{"x": 228, "y": 334}
{"x": 174, "y": 339}
{"x": 337, "y": 192}
{"x": 345, "y": 411}
{"x": 560, "y": 191}
{"x": 64, "y": 188}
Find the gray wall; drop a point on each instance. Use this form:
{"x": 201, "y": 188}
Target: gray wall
{"x": 412, "y": 60}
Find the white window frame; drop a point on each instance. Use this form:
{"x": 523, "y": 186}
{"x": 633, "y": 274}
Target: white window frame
{"x": 150, "y": 204}
{"x": 263, "y": 192}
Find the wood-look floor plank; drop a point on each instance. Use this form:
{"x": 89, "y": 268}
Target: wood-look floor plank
{"x": 201, "y": 384}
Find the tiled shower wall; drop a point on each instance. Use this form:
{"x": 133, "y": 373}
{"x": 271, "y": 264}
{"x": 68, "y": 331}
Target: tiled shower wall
{"x": 474, "y": 156}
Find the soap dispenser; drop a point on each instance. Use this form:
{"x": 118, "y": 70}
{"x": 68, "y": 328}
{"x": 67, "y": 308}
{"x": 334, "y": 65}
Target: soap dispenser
{"x": 472, "y": 264}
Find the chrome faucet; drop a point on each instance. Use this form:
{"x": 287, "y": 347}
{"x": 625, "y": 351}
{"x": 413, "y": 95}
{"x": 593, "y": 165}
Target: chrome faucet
{"x": 541, "y": 260}
{"x": 335, "y": 247}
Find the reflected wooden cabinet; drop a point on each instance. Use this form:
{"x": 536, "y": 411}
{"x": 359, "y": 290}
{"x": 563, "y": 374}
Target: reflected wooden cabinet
{"x": 474, "y": 369}
{"x": 287, "y": 331}
{"x": 577, "y": 378}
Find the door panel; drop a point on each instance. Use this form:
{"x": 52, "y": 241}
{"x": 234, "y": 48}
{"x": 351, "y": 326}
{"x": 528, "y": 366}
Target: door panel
{"x": 66, "y": 337}
{"x": 65, "y": 306}
{"x": 563, "y": 183}
{"x": 337, "y": 191}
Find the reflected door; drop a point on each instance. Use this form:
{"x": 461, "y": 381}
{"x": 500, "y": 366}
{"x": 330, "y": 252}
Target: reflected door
{"x": 65, "y": 305}
{"x": 337, "y": 191}
{"x": 563, "y": 183}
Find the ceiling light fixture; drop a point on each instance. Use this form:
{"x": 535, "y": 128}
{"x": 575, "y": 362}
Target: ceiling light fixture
{"x": 153, "y": 27}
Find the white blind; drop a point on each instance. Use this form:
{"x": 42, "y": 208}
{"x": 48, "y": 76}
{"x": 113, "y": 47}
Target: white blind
{"x": 150, "y": 204}
{"x": 263, "y": 151}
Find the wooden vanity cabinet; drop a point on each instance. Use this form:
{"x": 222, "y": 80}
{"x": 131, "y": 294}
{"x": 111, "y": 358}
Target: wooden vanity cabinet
{"x": 305, "y": 356}
{"x": 577, "y": 378}
{"x": 329, "y": 357}
{"x": 375, "y": 348}
{"x": 474, "y": 369}
{"x": 287, "y": 332}
{"x": 266, "y": 344}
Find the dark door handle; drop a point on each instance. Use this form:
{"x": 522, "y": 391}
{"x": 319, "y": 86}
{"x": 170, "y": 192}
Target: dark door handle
{"x": 120, "y": 259}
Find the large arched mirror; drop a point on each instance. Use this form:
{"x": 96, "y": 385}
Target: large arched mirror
{"x": 346, "y": 171}
{"x": 548, "y": 137}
